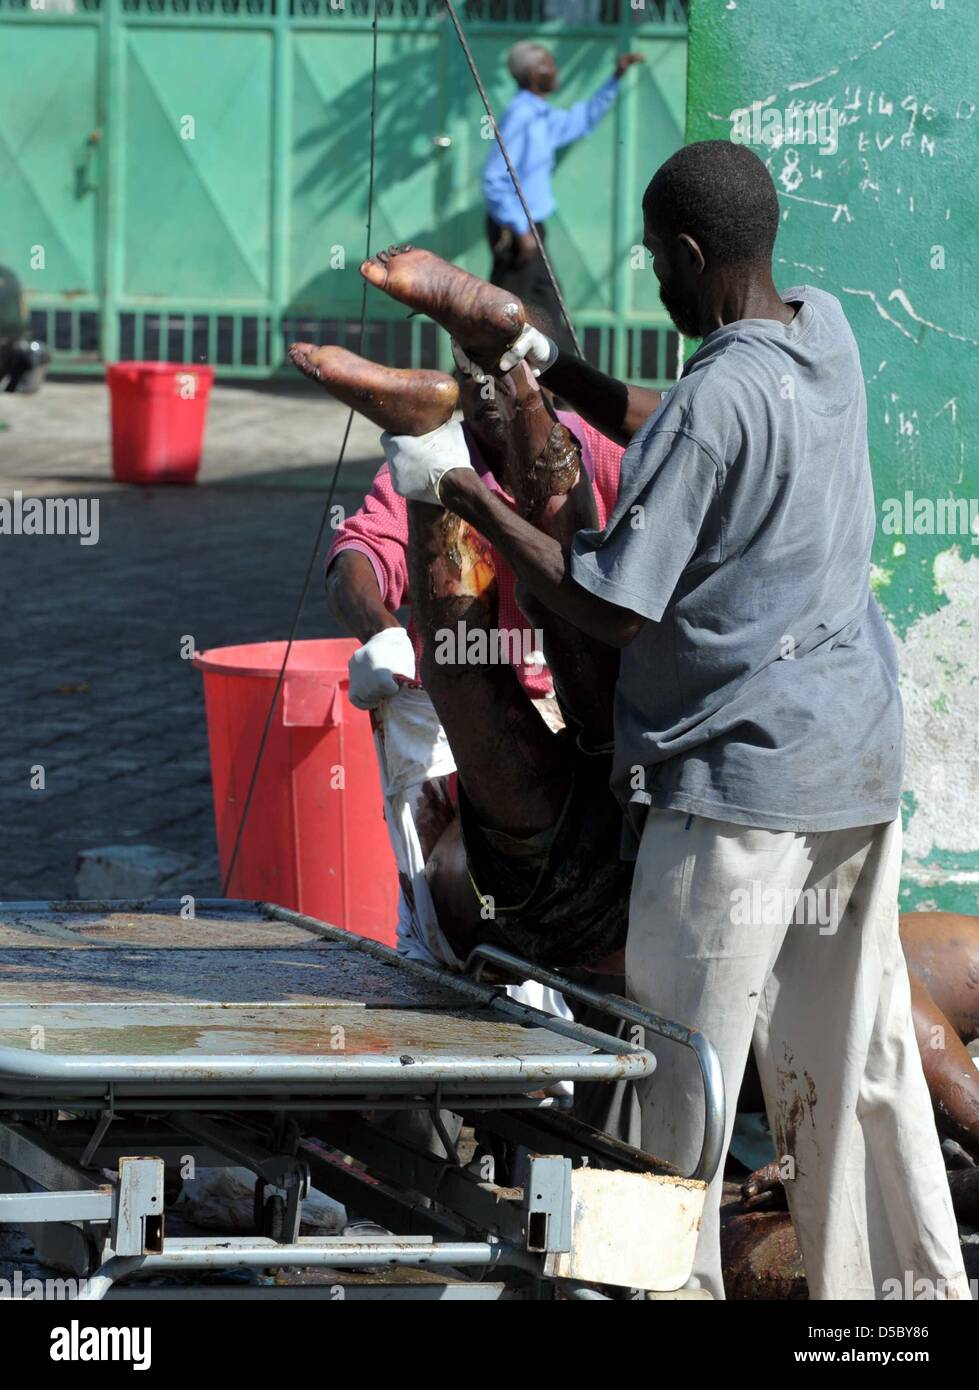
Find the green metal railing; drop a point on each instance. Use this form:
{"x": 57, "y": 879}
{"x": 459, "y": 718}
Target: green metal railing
{"x": 216, "y": 248}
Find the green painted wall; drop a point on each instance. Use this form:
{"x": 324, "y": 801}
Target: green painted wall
{"x": 189, "y": 181}
{"x": 887, "y": 222}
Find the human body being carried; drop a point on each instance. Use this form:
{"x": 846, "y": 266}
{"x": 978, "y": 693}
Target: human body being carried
{"x": 532, "y": 859}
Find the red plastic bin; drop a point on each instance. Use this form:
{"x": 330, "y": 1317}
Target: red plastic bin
{"x": 158, "y": 414}
{"x": 315, "y": 838}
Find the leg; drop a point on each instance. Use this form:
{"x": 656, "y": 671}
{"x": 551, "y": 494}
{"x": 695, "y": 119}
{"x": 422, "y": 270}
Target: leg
{"x": 543, "y": 460}
{"x": 543, "y": 473}
{"x": 507, "y": 758}
{"x": 543, "y": 309}
{"x": 690, "y": 957}
{"x": 509, "y": 763}
{"x": 942, "y": 952}
{"x": 845, "y": 1090}
{"x": 950, "y": 1072}
{"x": 505, "y": 272}
{"x": 530, "y": 282}
{"x": 547, "y": 860}
{"x": 942, "y": 949}
{"x": 404, "y": 401}
{"x": 483, "y": 319}
{"x": 513, "y": 774}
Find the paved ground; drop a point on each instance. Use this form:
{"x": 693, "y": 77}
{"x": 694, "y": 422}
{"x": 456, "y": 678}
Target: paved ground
{"x": 94, "y": 689}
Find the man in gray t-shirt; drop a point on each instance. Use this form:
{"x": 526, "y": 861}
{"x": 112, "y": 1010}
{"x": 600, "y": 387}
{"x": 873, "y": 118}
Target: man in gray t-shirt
{"x": 763, "y": 688}
{"x": 758, "y": 728}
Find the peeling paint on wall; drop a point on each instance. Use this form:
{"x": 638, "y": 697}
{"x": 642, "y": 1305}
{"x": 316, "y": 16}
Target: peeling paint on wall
{"x": 940, "y": 687}
{"x": 885, "y": 216}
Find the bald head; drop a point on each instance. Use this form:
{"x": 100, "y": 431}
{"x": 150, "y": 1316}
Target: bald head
{"x": 532, "y": 66}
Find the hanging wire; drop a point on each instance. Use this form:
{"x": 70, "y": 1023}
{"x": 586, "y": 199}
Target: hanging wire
{"x": 513, "y": 174}
{"x": 330, "y": 495}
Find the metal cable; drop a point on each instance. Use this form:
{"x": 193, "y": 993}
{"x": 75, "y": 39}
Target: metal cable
{"x": 330, "y": 495}
{"x": 513, "y": 174}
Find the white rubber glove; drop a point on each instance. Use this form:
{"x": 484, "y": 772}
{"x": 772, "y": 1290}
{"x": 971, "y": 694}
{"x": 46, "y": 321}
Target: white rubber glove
{"x": 419, "y": 462}
{"x": 373, "y": 667}
{"x": 531, "y": 346}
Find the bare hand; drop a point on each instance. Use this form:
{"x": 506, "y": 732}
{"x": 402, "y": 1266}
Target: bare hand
{"x": 764, "y": 1190}
{"x": 625, "y": 61}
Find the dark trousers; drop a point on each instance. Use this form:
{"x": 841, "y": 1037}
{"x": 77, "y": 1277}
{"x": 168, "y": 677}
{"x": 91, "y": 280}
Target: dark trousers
{"x": 529, "y": 282}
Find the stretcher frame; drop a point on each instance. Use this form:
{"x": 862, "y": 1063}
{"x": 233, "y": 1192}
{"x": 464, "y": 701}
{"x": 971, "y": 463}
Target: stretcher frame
{"x": 92, "y": 1132}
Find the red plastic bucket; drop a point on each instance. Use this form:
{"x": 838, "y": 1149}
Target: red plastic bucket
{"x": 158, "y": 415}
{"x": 315, "y": 838}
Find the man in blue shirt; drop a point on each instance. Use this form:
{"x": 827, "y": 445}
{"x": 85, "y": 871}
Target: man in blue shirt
{"x": 533, "y": 131}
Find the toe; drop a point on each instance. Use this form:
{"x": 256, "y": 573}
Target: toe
{"x": 375, "y": 271}
{"x": 301, "y": 355}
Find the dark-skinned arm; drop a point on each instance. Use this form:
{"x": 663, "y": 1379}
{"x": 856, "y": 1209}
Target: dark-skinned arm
{"x": 354, "y": 597}
{"x": 538, "y": 561}
{"x": 615, "y": 408}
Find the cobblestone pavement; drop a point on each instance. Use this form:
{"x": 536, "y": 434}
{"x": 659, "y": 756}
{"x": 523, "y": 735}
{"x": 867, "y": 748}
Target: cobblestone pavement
{"x": 94, "y": 689}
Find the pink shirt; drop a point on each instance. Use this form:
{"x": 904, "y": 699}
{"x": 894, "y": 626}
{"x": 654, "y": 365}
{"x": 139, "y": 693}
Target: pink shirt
{"x": 379, "y": 530}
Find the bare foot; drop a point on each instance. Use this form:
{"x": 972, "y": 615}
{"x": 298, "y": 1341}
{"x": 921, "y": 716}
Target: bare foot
{"x": 400, "y": 400}
{"x": 764, "y": 1190}
{"x": 483, "y": 319}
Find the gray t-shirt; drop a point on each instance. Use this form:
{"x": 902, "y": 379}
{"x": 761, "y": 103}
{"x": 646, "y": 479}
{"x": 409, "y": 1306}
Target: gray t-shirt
{"x": 763, "y": 690}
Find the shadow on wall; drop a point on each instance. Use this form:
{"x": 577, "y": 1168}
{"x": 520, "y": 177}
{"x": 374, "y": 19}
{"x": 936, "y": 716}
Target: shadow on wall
{"x": 408, "y": 188}
{"x": 337, "y": 173}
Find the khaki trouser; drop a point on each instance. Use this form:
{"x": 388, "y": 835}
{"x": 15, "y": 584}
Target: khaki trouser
{"x": 720, "y": 940}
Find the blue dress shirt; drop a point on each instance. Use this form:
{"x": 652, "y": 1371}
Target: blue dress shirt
{"x": 533, "y": 131}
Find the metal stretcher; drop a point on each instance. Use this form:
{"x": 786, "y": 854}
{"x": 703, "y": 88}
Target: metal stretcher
{"x": 138, "y": 1041}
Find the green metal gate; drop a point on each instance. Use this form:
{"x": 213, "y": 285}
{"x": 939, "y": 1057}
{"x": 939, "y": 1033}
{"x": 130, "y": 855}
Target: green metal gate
{"x": 185, "y": 180}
